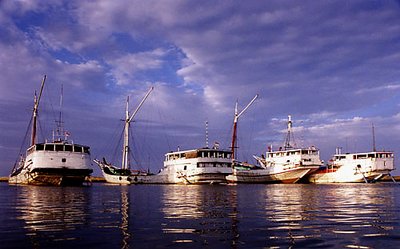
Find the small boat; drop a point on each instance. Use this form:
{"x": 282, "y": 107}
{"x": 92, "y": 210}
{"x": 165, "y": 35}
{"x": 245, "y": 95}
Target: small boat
{"x": 58, "y": 162}
{"x": 355, "y": 167}
{"x": 286, "y": 165}
{"x": 123, "y": 175}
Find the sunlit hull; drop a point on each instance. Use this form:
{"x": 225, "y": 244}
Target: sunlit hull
{"x": 355, "y": 167}
{"x": 114, "y": 175}
{"x": 265, "y": 176}
{"x": 339, "y": 177}
{"x": 62, "y": 177}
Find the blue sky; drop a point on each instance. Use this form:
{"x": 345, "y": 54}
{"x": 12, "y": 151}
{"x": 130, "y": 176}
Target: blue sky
{"x": 332, "y": 65}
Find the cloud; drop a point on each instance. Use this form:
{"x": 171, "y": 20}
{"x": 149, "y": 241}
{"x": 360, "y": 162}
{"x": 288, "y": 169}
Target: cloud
{"x": 125, "y": 67}
{"x": 324, "y": 63}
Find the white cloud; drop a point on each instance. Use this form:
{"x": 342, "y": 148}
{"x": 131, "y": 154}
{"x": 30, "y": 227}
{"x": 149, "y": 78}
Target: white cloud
{"x": 125, "y": 67}
{"x": 378, "y": 89}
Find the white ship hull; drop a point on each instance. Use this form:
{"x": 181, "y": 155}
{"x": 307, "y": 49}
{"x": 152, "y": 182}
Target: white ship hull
{"x": 117, "y": 179}
{"x": 358, "y": 167}
{"x": 265, "y": 176}
{"x": 338, "y": 177}
{"x": 285, "y": 166}
{"x": 201, "y": 166}
{"x": 50, "y": 177}
{"x": 114, "y": 175}
{"x": 55, "y": 168}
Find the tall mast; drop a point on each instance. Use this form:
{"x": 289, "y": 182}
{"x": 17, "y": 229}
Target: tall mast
{"x": 289, "y": 135}
{"x": 125, "y": 155}
{"x": 35, "y": 111}
{"x": 128, "y": 120}
{"x": 235, "y": 120}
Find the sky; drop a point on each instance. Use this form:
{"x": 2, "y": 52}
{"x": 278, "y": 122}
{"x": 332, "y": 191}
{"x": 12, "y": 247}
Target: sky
{"x": 334, "y": 66}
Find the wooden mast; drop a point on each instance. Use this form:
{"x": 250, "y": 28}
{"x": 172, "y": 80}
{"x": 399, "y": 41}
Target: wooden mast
{"x": 235, "y": 120}
{"x": 128, "y": 120}
{"x": 35, "y": 112}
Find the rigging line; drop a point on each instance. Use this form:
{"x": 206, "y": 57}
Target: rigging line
{"x": 138, "y": 152}
{"x": 113, "y": 138}
{"x": 23, "y": 143}
{"x": 162, "y": 121}
{"x": 47, "y": 90}
{"x": 131, "y": 157}
{"x": 41, "y": 130}
{"x": 250, "y": 139}
{"x": 116, "y": 148}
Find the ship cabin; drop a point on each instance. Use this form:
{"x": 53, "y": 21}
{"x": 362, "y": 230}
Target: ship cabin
{"x": 204, "y": 157}
{"x": 59, "y": 147}
{"x": 199, "y": 153}
{"x": 293, "y": 152}
{"x": 359, "y": 156}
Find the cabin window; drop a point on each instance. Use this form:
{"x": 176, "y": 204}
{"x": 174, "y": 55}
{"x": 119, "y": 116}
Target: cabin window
{"x": 86, "y": 150}
{"x": 371, "y": 155}
{"x": 39, "y": 147}
{"x": 59, "y": 147}
{"x": 68, "y": 147}
{"x": 185, "y": 167}
{"x": 64, "y": 160}
{"x": 49, "y": 147}
{"x": 77, "y": 149}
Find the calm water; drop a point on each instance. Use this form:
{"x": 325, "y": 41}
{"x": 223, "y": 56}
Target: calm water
{"x": 243, "y": 216}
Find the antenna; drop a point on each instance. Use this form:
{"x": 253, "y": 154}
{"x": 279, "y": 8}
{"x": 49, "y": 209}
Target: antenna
{"x": 289, "y": 135}
{"x": 59, "y": 123}
{"x": 206, "y": 134}
{"x": 373, "y": 138}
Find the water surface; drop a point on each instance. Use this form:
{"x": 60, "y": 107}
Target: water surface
{"x": 174, "y": 216}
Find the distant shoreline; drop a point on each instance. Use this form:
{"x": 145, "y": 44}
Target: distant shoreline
{"x": 101, "y": 179}
{"x": 92, "y": 179}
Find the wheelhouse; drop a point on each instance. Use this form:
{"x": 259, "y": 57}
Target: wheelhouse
{"x": 60, "y": 147}
{"x": 201, "y": 153}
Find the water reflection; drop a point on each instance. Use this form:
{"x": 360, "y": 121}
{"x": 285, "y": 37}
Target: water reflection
{"x": 307, "y": 215}
{"x": 241, "y": 216}
{"x": 51, "y": 214}
{"x": 125, "y": 216}
{"x": 200, "y": 214}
